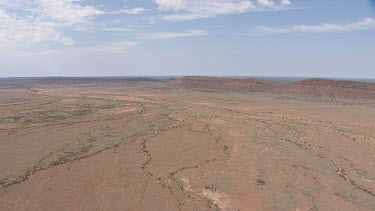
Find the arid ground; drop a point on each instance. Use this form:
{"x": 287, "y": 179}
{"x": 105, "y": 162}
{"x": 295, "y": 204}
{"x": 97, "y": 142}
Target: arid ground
{"x": 147, "y": 145}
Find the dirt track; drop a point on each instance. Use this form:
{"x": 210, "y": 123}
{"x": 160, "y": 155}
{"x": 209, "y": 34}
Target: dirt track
{"x": 144, "y": 146}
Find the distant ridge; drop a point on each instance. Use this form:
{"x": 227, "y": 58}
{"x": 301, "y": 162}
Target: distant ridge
{"x": 335, "y": 89}
{"x": 328, "y": 88}
{"x": 63, "y": 80}
{"x": 229, "y": 84}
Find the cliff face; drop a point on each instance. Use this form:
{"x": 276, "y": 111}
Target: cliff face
{"x": 306, "y": 88}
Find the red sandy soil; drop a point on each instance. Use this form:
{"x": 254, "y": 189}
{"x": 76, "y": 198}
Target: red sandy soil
{"x": 149, "y": 146}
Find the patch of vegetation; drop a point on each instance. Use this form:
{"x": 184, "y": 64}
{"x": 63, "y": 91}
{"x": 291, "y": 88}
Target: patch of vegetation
{"x": 72, "y": 155}
{"x": 44, "y": 119}
{"x": 211, "y": 187}
{"x": 107, "y": 106}
{"x": 143, "y": 110}
{"x": 260, "y": 182}
{"x": 82, "y": 112}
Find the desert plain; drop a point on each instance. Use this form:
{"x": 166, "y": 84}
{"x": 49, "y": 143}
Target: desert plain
{"x": 164, "y": 145}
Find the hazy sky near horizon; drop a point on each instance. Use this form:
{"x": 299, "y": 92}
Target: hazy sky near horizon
{"x": 314, "y": 38}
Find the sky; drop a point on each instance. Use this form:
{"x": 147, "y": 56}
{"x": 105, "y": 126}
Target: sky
{"x": 301, "y": 38}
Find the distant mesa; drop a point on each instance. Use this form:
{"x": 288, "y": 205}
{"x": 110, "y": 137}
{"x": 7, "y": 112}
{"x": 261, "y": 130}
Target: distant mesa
{"x": 335, "y": 89}
{"x": 230, "y": 84}
{"x": 324, "y": 88}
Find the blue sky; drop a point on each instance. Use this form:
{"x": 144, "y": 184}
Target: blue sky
{"x": 314, "y": 38}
